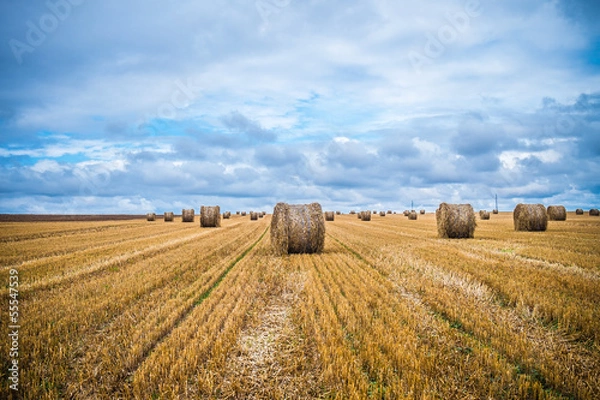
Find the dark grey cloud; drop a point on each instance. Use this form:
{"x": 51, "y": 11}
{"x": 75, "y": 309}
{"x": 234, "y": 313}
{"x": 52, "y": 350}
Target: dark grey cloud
{"x": 237, "y": 122}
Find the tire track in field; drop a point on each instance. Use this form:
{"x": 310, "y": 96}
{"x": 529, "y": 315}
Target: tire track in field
{"x": 155, "y": 324}
{"x": 482, "y": 297}
{"x": 131, "y": 370}
{"x": 115, "y": 260}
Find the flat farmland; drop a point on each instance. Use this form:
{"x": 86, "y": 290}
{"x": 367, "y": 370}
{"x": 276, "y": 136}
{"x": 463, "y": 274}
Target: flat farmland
{"x": 153, "y": 310}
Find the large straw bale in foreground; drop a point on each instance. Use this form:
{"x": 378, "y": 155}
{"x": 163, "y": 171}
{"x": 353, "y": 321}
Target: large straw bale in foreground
{"x": 187, "y": 215}
{"x": 169, "y": 216}
{"x": 455, "y": 221}
{"x": 329, "y": 216}
{"x": 210, "y": 216}
{"x": 297, "y": 228}
{"x": 151, "y": 217}
{"x": 557, "y": 213}
{"x": 530, "y": 217}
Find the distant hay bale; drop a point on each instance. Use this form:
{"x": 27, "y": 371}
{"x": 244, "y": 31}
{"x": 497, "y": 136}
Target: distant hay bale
{"x": 365, "y": 215}
{"x": 359, "y": 215}
{"x": 297, "y": 228}
{"x": 352, "y": 212}
{"x": 237, "y": 213}
{"x": 412, "y": 216}
{"x": 405, "y": 213}
{"x": 494, "y": 211}
{"x": 169, "y": 216}
{"x": 530, "y": 217}
{"x": 594, "y": 212}
{"x": 187, "y": 215}
{"x": 483, "y": 214}
{"x": 556, "y": 213}
{"x": 210, "y": 216}
{"x": 261, "y": 215}
{"x": 455, "y": 221}
{"x": 382, "y": 213}
{"x": 579, "y": 211}
{"x": 338, "y": 213}
{"x": 151, "y": 217}
{"x": 329, "y": 216}
{"x": 389, "y": 211}
{"x": 253, "y": 216}
{"x": 243, "y": 213}
{"x": 422, "y": 212}
{"x": 374, "y": 212}
{"x": 226, "y": 215}
{"x": 264, "y": 213}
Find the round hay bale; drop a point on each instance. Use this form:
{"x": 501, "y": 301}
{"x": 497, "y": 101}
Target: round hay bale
{"x": 261, "y": 215}
{"x": 412, "y": 216}
{"x": 484, "y": 215}
{"x": 210, "y": 217}
{"x": 382, "y": 213}
{"x": 579, "y": 211}
{"x": 557, "y": 213}
{"x": 365, "y": 215}
{"x": 422, "y": 212}
{"x": 237, "y": 213}
{"x": 226, "y": 215}
{"x": 169, "y": 216}
{"x": 530, "y": 217}
{"x": 329, "y": 216}
{"x": 264, "y": 213}
{"x": 338, "y": 213}
{"x": 455, "y": 221}
{"x": 389, "y": 211}
{"x": 594, "y": 212}
{"x": 151, "y": 217}
{"x": 494, "y": 211}
{"x": 352, "y": 212}
{"x": 253, "y": 216}
{"x": 405, "y": 213}
{"x": 297, "y": 228}
{"x": 359, "y": 215}
{"x": 187, "y": 215}
{"x": 243, "y": 213}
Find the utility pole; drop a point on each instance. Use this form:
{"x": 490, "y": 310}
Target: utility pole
{"x": 411, "y": 206}
{"x": 496, "y": 202}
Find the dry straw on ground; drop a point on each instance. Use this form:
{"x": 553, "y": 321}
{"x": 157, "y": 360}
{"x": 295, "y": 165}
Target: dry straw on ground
{"x": 455, "y": 221}
{"x": 187, "y": 215}
{"x": 483, "y": 214}
{"x": 329, "y": 216}
{"x": 579, "y": 211}
{"x": 594, "y": 212}
{"x": 297, "y": 228}
{"x": 530, "y": 217}
{"x": 557, "y": 213}
{"x": 253, "y": 216}
{"x": 365, "y": 215}
{"x": 412, "y": 216}
{"x": 169, "y": 216}
{"x": 151, "y": 217}
{"x": 210, "y": 216}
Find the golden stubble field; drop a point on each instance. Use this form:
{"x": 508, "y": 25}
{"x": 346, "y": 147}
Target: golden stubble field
{"x": 153, "y": 310}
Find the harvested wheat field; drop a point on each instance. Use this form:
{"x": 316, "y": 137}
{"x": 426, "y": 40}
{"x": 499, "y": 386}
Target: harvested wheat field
{"x": 388, "y": 310}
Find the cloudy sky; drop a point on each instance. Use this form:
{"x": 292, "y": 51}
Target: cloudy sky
{"x": 137, "y": 106}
